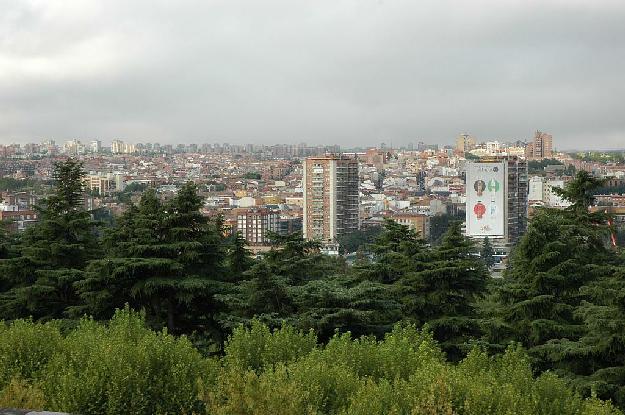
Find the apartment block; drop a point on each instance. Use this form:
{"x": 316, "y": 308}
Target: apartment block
{"x": 331, "y": 207}
{"x": 256, "y": 224}
{"x": 541, "y": 146}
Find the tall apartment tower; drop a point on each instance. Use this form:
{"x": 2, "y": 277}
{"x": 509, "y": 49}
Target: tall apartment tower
{"x": 518, "y": 191}
{"x": 331, "y": 204}
{"x": 464, "y": 143}
{"x": 117, "y": 146}
{"x": 497, "y": 190}
{"x": 541, "y": 147}
{"x": 96, "y": 146}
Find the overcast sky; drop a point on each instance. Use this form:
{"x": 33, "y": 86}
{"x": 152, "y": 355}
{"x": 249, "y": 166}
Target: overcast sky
{"x": 352, "y": 72}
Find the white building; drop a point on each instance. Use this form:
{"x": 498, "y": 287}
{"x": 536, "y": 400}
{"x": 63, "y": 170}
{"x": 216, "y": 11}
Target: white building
{"x": 551, "y": 198}
{"x": 96, "y": 146}
{"x": 245, "y": 202}
{"x": 73, "y": 147}
{"x": 536, "y": 189}
{"x": 5, "y": 207}
{"x": 119, "y": 147}
{"x": 496, "y": 199}
{"x": 493, "y": 147}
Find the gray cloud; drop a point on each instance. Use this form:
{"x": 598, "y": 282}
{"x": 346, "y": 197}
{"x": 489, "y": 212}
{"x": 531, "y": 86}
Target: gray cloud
{"x": 355, "y": 72}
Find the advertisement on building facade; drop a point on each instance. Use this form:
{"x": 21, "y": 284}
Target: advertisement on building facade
{"x": 485, "y": 199}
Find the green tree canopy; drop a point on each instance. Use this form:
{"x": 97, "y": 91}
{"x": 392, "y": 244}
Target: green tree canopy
{"x": 52, "y": 255}
{"x": 166, "y": 258}
{"x": 443, "y": 294}
{"x": 239, "y": 257}
{"x": 397, "y": 250}
{"x": 488, "y": 253}
{"x": 562, "y": 252}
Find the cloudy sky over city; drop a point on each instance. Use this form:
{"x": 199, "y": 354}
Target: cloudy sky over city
{"x": 352, "y": 72}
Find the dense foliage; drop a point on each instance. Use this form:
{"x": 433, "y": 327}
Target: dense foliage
{"x": 125, "y": 368}
{"x": 439, "y": 224}
{"x": 615, "y": 156}
{"x": 37, "y": 280}
{"x": 252, "y": 175}
{"x": 488, "y": 252}
{"x": 561, "y": 300}
{"x": 9, "y": 183}
{"x": 538, "y": 167}
{"x": 562, "y": 297}
{"x": 358, "y": 240}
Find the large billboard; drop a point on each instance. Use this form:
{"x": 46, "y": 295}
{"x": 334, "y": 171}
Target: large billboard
{"x": 485, "y": 189}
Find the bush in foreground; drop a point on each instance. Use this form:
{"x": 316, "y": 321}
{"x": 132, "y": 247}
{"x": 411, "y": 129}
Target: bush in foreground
{"x": 124, "y": 368}
{"x": 121, "y": 368}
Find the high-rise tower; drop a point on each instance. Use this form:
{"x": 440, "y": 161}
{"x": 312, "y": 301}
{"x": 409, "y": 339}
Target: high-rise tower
{"x": 541, "y": 147}
{"x": 330, "y": 197}
{"x": 496, "y": 206}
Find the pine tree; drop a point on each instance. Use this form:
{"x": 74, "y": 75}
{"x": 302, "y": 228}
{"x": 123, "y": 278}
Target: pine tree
{"x": 135, "y": 256}
{"x": 580, "y": 192}
{"x": 345, "y": 303}
{"x": 5, "y": 242}
{"x": 295, "y": 283}
{"x": 166, "y": 258}
{"x": 539, "y": 298}
{"x": 239, "y": 259}
{"x": 299, "y": 260}
{"x": 197, "y": 244}
{"x": 264, "y": 290}
{"x": 397, "y": 250}
{"x": 259, "y": 294}
{"x": 444, "y": 294}
{"x": 595, "y": 363}
{"x": 488, "y": 253}
{"x": 51, "y": 255}
{"x": 6, "y": 251}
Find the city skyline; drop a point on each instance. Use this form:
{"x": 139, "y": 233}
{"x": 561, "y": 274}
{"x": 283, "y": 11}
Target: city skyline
{"x": 110, "y": 143}
{"x": 354, "y": 73}
{"x": 539, "y": 147}
{"x": 470, "y": 141}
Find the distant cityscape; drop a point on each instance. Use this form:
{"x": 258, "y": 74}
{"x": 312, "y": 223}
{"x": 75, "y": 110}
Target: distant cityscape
{"x": 326, "y": 192}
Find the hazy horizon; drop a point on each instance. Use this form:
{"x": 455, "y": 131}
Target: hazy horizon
{"x": 354, "y": 73}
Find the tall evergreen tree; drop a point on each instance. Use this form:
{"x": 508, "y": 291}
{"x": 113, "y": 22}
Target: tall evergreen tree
{"x": 345, "y": 303}
{"x": 562, "y": 252}
{"x": 299, "y": 260}
{"x": 259, "y": 294}
{"x": 197, "y": 243}
{"x": 134, "y": 256}
{"x": 445, "y": 292}
{"x": 295, "y": 283}
{"x": 51, "y": 255}
{"x": 263, "y": 290}
{"x": 166, "y": 258}
{"x": 6, "y": 249}
{"x": 488, "y": 253}
{"x": 5, "y": 241}
{"x": 595, "y": 363}
{"x": 397, "y": 250}
{"x": 239, "y": 257}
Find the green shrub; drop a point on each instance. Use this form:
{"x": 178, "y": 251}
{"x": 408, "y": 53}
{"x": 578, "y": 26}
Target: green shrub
{"x": 25, "y": 348}
{"x": 18, "y": 393}
{"x": 124, "y": 369}
{"x": 259, "y": 347}
{"x": 403, "y": 374}
{"x": 240, "y": 392}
